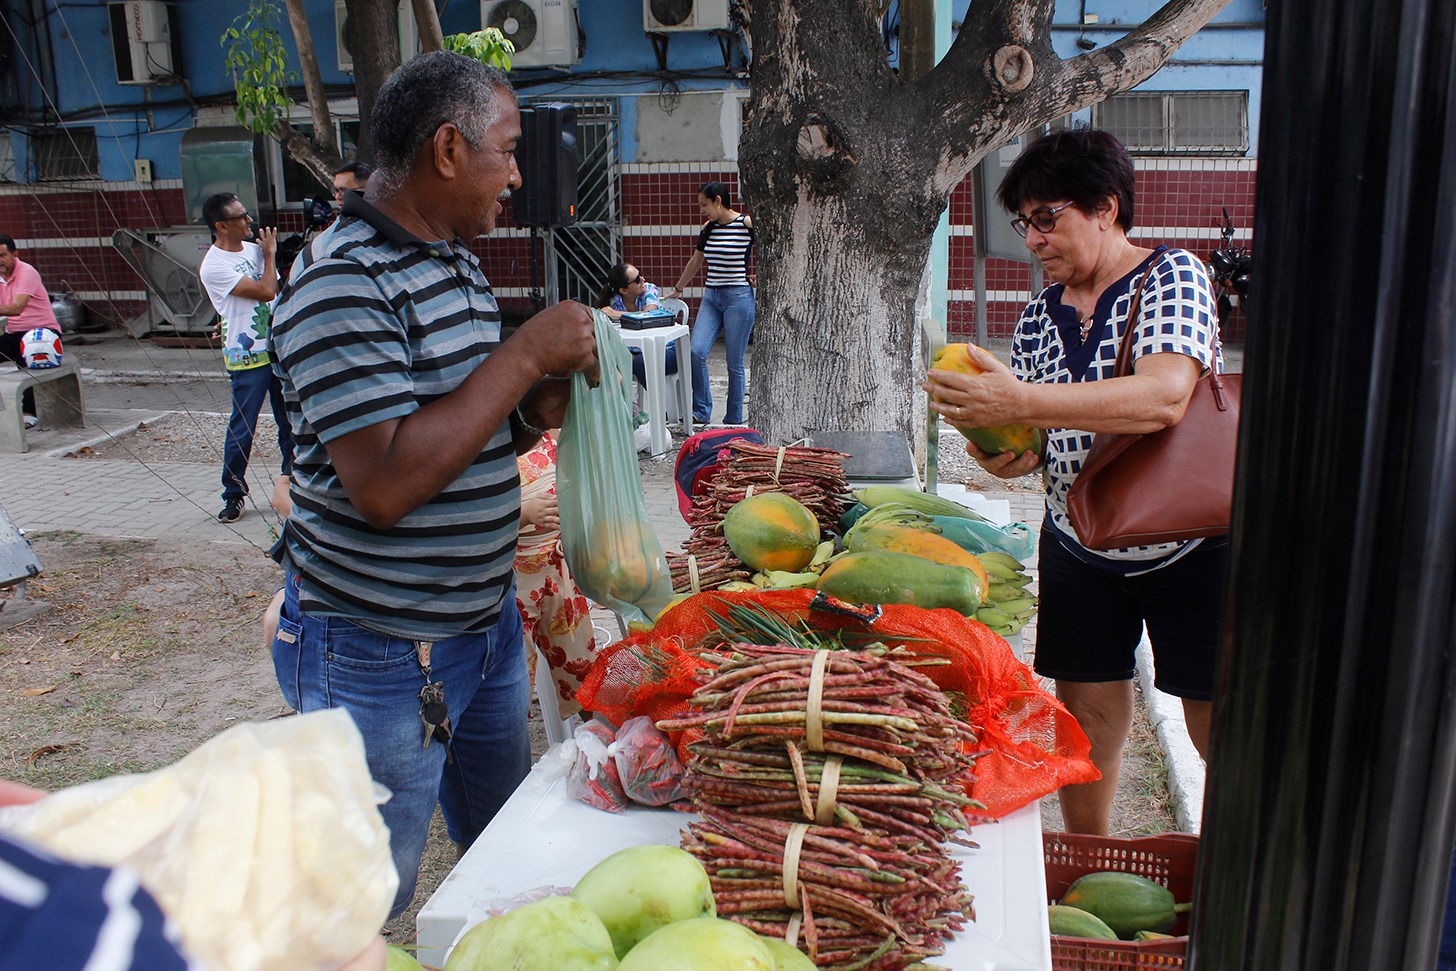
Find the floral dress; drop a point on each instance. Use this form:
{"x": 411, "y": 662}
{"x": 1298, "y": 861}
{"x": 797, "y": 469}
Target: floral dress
{"x": 556, "y": 617}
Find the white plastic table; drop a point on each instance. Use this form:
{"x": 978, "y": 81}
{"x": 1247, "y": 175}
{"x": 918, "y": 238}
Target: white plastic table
{"x": 653, "y": 344}
{"x": 543, "y": 838}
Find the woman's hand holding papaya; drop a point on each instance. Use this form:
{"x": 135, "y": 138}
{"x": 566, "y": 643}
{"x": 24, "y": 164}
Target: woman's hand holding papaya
{"x": 1007, "y": 465}
{"x": 993, "y": 397}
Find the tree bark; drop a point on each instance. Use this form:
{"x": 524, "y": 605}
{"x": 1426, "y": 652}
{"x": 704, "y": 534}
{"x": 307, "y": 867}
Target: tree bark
{"x": 847, "y": 168}
{"x": 374, "y": 29}
{"x": 313, "y": 82}
{"x": 297, "y": 146}
{"x": 427, "y": 19}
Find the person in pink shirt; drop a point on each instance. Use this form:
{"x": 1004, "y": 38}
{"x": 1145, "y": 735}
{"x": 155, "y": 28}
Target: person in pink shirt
{"x": 25, "y": 305}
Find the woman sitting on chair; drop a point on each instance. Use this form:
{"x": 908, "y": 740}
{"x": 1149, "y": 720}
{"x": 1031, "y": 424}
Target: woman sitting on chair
{"x": 627, "y": 291}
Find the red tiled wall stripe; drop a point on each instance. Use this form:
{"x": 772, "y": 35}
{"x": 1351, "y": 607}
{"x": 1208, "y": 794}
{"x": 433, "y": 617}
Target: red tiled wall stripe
{"x": 1174, "y": 198}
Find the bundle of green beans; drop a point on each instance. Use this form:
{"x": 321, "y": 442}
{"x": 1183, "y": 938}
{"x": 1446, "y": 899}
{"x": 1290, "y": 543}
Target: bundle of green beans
{"x": 832, "y": 834}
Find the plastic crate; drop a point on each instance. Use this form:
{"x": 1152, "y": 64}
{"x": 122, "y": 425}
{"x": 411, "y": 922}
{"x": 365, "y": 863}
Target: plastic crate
{"x": 1170, "y": 859}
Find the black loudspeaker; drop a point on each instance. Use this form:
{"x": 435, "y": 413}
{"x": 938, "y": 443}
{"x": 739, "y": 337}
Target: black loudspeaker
{"x": 546, "y": 156}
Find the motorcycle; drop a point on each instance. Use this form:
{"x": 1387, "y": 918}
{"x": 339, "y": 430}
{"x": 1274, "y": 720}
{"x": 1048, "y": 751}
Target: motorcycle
{"x": 1229, "y": 266}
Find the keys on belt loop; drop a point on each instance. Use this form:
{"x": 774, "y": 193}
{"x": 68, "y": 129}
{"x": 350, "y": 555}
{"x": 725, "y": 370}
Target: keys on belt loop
{"x": 434, "y": 713}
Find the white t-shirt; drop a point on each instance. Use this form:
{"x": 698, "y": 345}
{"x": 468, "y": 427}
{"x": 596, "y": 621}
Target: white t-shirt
{"x": 245, "y": 321}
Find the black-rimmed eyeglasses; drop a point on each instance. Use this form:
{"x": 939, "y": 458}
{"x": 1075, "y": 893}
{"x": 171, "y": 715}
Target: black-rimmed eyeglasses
{"x": 1042, "y": 220}
{"x": 241, "y": 215}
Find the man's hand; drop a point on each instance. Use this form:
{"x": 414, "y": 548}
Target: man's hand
{"x": 559, "y": 339}
{"x": 541, "y": 512}
{"x": 268, "y": 239}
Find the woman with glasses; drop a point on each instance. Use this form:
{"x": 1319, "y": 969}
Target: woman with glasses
{"x": 625, "y": 291}
{"x": 1071, "y": 193}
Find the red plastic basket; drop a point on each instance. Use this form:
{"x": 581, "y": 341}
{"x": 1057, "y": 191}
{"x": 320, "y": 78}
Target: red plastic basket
{"x": 1169, "y": 859}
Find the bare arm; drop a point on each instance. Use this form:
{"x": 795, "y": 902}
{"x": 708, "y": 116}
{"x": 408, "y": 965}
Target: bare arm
{"x": 264, "y": 289}
{"x": 695, "y": 263}
{"x": 391, "y": 468}
{"x": 1152, "y": 398}
{"x": 15, "y": 306}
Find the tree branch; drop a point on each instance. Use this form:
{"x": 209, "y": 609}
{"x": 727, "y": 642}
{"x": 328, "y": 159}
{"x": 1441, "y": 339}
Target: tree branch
{"x": 313, "y": 82}
{"x": 427, "y": 19}
{"x": 1097, "y": 75}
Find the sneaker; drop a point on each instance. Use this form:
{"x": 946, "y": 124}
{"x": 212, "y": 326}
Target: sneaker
{"x": 31, "y": 421}
{"x": 232, "y": 511}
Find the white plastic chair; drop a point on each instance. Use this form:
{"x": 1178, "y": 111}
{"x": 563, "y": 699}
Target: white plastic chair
{"x": 684, "y": 365}
{"x": 558, "y": 729}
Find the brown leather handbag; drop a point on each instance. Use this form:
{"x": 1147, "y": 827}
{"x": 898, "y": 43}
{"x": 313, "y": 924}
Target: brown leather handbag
{"x": 1169, "y": 485}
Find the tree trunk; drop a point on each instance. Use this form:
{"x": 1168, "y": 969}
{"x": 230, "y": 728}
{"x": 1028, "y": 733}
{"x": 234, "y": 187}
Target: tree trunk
{"x": 427, "y": 19}
{"x": 847, "y": 168}
{"x": 298, "y": 147}
{"x": 313, "y": 83}
{"x": 374, "y": 27}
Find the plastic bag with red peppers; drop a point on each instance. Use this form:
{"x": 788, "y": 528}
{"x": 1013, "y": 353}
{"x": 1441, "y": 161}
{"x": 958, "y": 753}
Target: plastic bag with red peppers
{"x": 593, "y": 776}
{"x": 647, "y": 763}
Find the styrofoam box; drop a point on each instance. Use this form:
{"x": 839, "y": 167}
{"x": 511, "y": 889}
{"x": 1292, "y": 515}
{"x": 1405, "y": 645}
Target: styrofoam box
{"x": 543, "y": 838}
{"x": 996, "y": 510}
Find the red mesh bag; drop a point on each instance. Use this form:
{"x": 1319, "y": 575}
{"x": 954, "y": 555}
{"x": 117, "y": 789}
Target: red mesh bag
{"x": 1032, "y": 744}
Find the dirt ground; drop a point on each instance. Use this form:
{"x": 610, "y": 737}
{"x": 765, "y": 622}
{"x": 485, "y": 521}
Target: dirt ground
{"x": 152, "y": 647}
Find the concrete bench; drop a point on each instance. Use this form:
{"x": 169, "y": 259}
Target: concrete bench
{"x": 58, "y": 402}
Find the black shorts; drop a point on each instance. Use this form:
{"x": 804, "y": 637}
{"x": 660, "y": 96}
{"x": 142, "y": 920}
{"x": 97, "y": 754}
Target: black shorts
{"x": 1090, "y": 621}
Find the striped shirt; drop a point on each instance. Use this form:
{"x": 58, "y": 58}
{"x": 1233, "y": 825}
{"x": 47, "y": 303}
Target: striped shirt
{"x": 1176, "y": 316}
{"x": 374, "y": 324}
{"x": 68, "y": 917}
{"x": 725, "y": 249}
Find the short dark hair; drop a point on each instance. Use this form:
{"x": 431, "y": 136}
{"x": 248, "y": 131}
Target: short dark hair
{"x": 6, "y": 241}
{"x": 424, "y": 93}
{"x": 715, "y": 191}
{"x": 1083, "y": 165}
{"x": 360, "y": 170}
{"x": 214, "y": 208}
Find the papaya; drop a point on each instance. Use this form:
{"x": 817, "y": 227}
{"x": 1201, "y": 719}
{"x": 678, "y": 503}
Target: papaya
{"x": 879, "y": 577}
{"x": 996, "y": 439}
{"x": 1067, "y": 921}
{"x": 921, "y": 543}
{"x": 1152, "y": 936}
{"x": 772, "y": 531}
{"x": 1125, "y": 902}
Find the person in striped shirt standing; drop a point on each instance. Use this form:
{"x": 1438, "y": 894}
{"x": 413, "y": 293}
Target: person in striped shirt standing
{"x": 725, "y": 244}
{"x": 408, "y": 411}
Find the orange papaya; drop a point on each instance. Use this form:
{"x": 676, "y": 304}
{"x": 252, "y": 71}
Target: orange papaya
{"x": 772, "y": 531}
{"x": 878, "y": 577}
{"x": 917, "y": 542}
{"x": 996, "y": 439}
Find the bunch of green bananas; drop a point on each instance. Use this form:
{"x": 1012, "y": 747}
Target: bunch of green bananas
{"x": 783, "y": 580}
{"x": 1007, "y": 606}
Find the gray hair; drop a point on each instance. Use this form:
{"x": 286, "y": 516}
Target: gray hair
{"x": 421, "y": 95}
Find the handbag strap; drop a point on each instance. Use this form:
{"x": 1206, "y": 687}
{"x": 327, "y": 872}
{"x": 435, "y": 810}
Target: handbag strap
{"x": 1124, "y": 350}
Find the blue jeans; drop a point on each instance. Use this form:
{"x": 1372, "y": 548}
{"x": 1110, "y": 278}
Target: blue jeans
{"x": 729, "y": 310}
{"x": 328, "y": 662}
{"x": 250, "y": 387}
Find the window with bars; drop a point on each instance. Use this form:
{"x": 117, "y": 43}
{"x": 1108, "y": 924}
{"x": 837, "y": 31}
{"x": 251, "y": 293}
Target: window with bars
{"x": 1178, "y": 122}
{"x": 64, "y": 154}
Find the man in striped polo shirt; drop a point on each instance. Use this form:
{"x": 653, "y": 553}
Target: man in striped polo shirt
{"x": 408, "y": 411}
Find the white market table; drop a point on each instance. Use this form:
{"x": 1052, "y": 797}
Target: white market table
{"x": 653, "y": 344}
{"x": 543, "y": 838}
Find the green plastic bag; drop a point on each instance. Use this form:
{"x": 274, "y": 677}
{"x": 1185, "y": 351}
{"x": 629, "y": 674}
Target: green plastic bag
{"x": 611, "y": 547}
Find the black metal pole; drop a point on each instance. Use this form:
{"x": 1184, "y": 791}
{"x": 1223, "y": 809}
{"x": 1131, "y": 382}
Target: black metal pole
{"x": 536, "y": 301}
{"x": 1328, "y": 824}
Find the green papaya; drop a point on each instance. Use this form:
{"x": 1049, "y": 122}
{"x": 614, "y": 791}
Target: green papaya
{"x": 879, "y": 577}
{"x": 1125, "y": 902}
{"x": 1071, "y": 922}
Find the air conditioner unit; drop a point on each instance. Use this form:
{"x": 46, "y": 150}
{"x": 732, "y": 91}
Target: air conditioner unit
{"x": 670, "y": 15}
{"x": 544, "y": 31}
{"x": 145, "y": 41}
{"x": 409, "y": 34}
